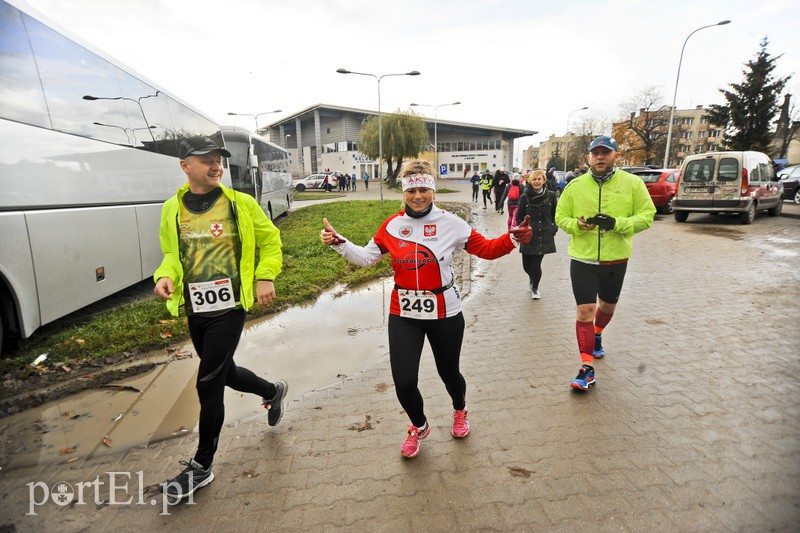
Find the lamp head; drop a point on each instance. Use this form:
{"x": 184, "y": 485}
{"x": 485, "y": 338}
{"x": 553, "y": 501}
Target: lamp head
{"x": 89, "y": 97}
{"x": 722, "y": 23}
{"x": 412, "y": 73}
{"x": 342, "y": 71}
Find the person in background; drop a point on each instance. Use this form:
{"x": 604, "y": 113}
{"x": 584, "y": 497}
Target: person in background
{"x": 425, "y": 303}
{"x": 602, "y": 211}
{"x": 354, "y": 181}
{"x": 486, "y": 187}
{"x": 475, "y": 180}
{"x": 366, "y": 181}
{"x": 499, "y": 183}
{"x": 552, "y": 180}
{"x": 512, "y": 192}
{"x": 210, "y": 236}
{"x": 540, "y": 205}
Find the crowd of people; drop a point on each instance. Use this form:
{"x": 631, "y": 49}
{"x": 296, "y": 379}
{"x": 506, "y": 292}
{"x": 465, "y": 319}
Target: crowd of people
{"x": 222, "y": 254}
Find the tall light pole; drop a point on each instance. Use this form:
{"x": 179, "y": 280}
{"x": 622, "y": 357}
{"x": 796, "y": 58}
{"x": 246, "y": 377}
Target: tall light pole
{"x": 137, "y": 101}
{"x": 380, "y": 128}
{"x": 435, "y": 134}
{"x": 584, "y": 108}
{"x": 255, "y": 117}
{"x": 675, "y": 94}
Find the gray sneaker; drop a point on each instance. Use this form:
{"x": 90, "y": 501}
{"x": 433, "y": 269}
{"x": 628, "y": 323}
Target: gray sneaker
{"x": 535, "y": 294}
{"x": 193, "y": 477}
{"x": 276, "y": 404}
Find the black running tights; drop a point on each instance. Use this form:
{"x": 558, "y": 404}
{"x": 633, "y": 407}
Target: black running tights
{"x": 215, "y": 339}
{"x": 406, "y": 338}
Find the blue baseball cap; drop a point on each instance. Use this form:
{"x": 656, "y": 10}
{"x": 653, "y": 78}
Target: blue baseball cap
{"x": 604, "y": 141}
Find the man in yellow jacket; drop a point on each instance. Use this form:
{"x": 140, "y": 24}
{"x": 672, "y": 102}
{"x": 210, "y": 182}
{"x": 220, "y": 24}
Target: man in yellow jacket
{"x": 601, "y": 210}
{"x": 209, "y": 235}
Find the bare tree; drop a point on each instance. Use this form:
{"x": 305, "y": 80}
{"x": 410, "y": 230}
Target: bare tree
{"x": 787, "y": 129}
{"x": 643, "y": 129}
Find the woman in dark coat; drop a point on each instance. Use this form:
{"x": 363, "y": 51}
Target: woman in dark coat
{"x": 540, "y": 204}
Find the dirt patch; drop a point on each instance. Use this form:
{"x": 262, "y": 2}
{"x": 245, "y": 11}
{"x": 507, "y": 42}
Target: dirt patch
{"x": 719, "y": 231}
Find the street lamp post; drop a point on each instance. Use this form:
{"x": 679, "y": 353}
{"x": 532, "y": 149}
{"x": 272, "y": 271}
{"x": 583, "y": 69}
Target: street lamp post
{"x": 137, "y": 101}
{"x": 255, "y": 117}
{"x": 435, "y": 134}
{"x": 675, "y": 93}
{"x": 380, "y": 128}
{"x": 584, "y": 108}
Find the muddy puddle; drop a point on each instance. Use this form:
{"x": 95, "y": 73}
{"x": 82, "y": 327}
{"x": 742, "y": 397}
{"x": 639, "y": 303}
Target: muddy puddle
{"x": 311, "y": 347}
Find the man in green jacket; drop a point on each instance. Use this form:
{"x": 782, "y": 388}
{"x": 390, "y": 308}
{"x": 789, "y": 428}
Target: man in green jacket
{"x": 209, "y": 235}
{"x": 601, "y": 210}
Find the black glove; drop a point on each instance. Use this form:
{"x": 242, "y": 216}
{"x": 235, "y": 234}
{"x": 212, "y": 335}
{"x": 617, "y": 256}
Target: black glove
{"x": 602, "y": 221}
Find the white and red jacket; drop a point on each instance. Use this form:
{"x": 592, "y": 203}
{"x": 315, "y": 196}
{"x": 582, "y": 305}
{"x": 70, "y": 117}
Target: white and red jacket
{"x": 422, "y": 251}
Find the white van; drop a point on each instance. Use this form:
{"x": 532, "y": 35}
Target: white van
{"x": 728, "y": 182}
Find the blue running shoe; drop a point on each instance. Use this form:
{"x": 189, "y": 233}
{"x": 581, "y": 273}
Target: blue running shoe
{"x": 598, "y": 352}
{"x": 585, "y": 378}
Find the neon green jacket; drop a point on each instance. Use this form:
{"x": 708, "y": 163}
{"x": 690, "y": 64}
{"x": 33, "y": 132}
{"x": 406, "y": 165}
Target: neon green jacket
{"x": 255, "y": 230}
{"x": 624, "y": 196}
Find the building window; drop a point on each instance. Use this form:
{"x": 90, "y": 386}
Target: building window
{"x": 713, "y": 133}
{"x": 701, "y": 134}
{"x": 687, "y": 120}
{"x": 686, "y": 135}
{"x": 704, "y": 120}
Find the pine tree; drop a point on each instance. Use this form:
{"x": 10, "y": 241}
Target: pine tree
{"x": 752, "y": 105}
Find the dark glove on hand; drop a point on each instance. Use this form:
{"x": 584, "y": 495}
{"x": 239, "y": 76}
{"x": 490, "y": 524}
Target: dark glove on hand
{"x": 523, "y": 232}
{"x": 603, "y": 221}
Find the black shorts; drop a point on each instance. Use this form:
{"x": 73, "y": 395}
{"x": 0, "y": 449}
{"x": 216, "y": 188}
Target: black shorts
{"x": 590, "y": 282}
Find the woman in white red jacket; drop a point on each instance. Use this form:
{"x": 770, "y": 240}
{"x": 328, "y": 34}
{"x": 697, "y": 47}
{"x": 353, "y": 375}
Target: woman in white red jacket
{"x": 422, "y": 240}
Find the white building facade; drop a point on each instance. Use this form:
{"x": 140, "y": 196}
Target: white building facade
{"x": 325, "y": 138}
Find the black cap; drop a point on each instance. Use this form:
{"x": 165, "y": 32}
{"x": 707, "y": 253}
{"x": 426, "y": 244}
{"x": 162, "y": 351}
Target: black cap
{"x": 200, "y": 146}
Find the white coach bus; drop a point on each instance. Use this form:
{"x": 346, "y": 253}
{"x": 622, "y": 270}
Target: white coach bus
{"x": 88, "y": 153}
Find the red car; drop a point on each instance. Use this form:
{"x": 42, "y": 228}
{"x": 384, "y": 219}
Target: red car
{"x": 661, "y": 184}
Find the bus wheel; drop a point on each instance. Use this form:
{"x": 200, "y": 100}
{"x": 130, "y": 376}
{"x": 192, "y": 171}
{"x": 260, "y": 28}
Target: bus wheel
{"x": 9, "y": 340}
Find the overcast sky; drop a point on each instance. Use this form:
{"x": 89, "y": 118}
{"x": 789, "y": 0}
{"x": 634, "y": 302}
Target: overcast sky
{"x": 512, "y": 63}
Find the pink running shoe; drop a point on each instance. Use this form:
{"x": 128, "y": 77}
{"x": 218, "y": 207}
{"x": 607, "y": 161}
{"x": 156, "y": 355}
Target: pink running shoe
{"x": 411, "y": 446}
{"x": 460, "y": 424}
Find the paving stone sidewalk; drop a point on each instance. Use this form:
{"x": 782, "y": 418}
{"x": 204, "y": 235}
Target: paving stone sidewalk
{"x": 694, "y": 424}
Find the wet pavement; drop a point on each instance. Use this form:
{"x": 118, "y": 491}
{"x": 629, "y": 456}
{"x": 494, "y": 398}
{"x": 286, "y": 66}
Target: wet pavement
{"x": 693, "y": 424}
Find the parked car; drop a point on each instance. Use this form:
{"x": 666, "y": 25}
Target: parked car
{"x": 728, "y": 182}
{"x": 790, "y": 178}
{"x": 661, "y": 184}
{"x": 317, "y": 181}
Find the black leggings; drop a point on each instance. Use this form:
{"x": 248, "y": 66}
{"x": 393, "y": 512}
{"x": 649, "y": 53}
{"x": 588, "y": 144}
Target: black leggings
{"x": 475, "y": 188}
{"x": 215, "y": 339}
{"x": 590, "y": 282}
{"x": 487, "y": 195}
{"x": 532, "y": 265}
{"x": 406, "y": 338}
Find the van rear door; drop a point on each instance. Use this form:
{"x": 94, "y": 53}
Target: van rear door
{"x": 728, "y": 183}
{"x": 696, "y": 187}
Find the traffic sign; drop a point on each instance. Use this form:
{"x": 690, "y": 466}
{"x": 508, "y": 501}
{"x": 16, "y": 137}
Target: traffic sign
{"x": 443, "y": 170}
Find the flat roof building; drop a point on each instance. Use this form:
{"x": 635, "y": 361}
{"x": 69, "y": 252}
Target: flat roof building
{"x": 325, "y": 138}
